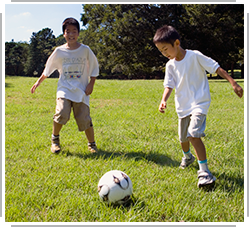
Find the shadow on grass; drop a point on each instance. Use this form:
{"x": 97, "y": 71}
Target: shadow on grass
{"x": 228, "y": 183}
{"x": 134, "y": 204}
{"x": 156, "y": 158}
{"x": 7, "y": 85}
{"x": 131, "y": 203}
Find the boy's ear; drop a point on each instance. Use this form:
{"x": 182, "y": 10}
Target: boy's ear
{"x": 177, "y": 42}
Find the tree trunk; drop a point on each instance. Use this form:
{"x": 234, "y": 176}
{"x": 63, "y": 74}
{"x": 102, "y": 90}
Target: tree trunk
{"x": 232, "y": 72}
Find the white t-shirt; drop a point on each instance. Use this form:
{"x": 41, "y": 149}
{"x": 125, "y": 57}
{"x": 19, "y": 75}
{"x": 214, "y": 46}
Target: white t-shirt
{"x": 75, "y": 68}
{"x": 189, "y": 79}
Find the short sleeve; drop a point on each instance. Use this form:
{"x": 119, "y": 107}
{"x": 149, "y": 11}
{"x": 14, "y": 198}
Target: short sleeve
{"x": 169, "y": 79}
{"x": 207, "y": 63}
{"x": 51, "y": 64}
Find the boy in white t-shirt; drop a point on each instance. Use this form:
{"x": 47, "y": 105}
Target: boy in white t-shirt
{"x": 78, "y": 68}
{"x": 186, "y": 72}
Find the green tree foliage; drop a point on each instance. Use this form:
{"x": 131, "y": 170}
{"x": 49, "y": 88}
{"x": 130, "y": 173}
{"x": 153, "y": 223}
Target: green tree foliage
{"x": 218, "y": 31}
{"x": 60, "y": 40}
{"x": 121, "y": 35}
{"x": 15, "y": 58}
{"x": 41, "y": 46}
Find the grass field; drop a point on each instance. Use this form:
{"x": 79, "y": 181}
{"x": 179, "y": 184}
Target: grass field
{"x": 132, "y": 136}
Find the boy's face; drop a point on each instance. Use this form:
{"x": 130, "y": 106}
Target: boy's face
{"x": 168, "y": 50}
{"x": 71, "y": 34}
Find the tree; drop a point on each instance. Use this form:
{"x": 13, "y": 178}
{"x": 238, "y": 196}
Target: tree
{"x": 218, "y": 31}
{"x": 40, "y": 48}
{"x": 121, "y": 34}
{"x": 15, "y": 58}
{"x": 60, "y": 40}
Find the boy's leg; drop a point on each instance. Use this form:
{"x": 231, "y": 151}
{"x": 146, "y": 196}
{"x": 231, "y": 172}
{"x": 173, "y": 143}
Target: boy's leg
{"x": 185, "y": 146}
{"x": 61, "y": 116}
{"x": 91, "y": 141}
{"x": 199, "y": 148}
{"x": 55, "y": 147}
{"x": 90, "y": 135}
{"x": 84, "y": 122}
{"x": 56, "y": 128}
{"x": 188, "y": 158}
{"x": 200, "y": 152}
{"x": 195, "y": 132}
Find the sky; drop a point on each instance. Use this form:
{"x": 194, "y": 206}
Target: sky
{"x": 21, "y": 20}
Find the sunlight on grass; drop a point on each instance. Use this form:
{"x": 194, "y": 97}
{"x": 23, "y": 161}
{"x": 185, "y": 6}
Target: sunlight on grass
{"x": 132, "y": 136}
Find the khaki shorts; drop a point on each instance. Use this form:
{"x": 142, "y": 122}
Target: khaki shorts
{"x": 81, "y": 113}
{"x": 192, "y": 126}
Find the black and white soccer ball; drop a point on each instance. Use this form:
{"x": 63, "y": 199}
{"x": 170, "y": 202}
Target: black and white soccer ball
{"x": 115, "y": 187}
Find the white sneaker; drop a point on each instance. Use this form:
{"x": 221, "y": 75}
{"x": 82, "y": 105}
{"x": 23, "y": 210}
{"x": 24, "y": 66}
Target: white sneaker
{"x": 206, "y": 178}
{"x": 186, "y": 162}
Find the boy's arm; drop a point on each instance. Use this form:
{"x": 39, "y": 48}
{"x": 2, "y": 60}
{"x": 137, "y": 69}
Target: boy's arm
{"x": 37, "y": 83}
{"x": 166, "y": 95}
{"x": 237, "y": 89}
{"x": 89, "y": 87}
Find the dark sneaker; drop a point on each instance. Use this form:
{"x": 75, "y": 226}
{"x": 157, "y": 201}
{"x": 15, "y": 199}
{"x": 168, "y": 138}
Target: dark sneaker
{"x": 92, "y": 147}
{"x": 55, "y": 147}
{"x": 186, "y": 162}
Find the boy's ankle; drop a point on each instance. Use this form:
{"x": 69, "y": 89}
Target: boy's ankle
{"x": 55, "y": 136}
{"x": 92, "y": 147}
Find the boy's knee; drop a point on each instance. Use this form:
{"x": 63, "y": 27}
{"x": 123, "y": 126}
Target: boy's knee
{"x": 190, "y": 139}
{"x": 62, "y": 111}
{"x": 62, "y": 117}
{"x": 193, "y": 139}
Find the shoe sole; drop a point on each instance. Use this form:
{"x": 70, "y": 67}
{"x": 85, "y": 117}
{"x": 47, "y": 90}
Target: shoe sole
{"x": 207, "y": 186}
{"x": 56, "y": 151}
{"x": 184, "y": 167}
{"x": 93, "y": 151}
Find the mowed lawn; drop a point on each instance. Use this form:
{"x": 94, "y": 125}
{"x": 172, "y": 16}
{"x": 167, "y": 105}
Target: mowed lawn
{"x": 132, "y": 136}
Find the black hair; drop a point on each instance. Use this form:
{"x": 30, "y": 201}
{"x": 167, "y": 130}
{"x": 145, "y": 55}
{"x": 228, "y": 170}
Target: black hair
{"x": 71, "y": 21}
{"x": 167, "y": 34}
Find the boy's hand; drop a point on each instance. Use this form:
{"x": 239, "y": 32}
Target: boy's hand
{"x": 162, "y": 106}
{"x": 34, "y": 88}
{"x": 37, "y": 83}
{"x": 238, "y": 90}
{"x": 166, "y": 95}
{"x": 89, "y": 89}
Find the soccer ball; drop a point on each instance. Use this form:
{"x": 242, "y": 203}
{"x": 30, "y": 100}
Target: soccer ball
{"x": 115, "y": 187}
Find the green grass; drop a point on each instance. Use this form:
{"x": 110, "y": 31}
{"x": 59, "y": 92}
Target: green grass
{"x": 132, "y": 136}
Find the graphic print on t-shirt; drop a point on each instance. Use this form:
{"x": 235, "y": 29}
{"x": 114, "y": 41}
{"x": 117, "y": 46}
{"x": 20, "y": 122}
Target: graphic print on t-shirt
{"x": 73, "y": 67}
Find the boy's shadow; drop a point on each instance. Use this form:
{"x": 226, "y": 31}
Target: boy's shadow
{"x": 157, "y": 158}
{"x": 228, "y": 183}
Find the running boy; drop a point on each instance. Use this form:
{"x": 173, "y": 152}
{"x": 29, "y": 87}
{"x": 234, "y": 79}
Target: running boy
{"x": 185, "y": 71}
{"x": 78, "y": 69}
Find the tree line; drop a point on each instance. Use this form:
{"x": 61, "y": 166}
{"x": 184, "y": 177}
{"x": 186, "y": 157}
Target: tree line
{"x": 121, "y": 36}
